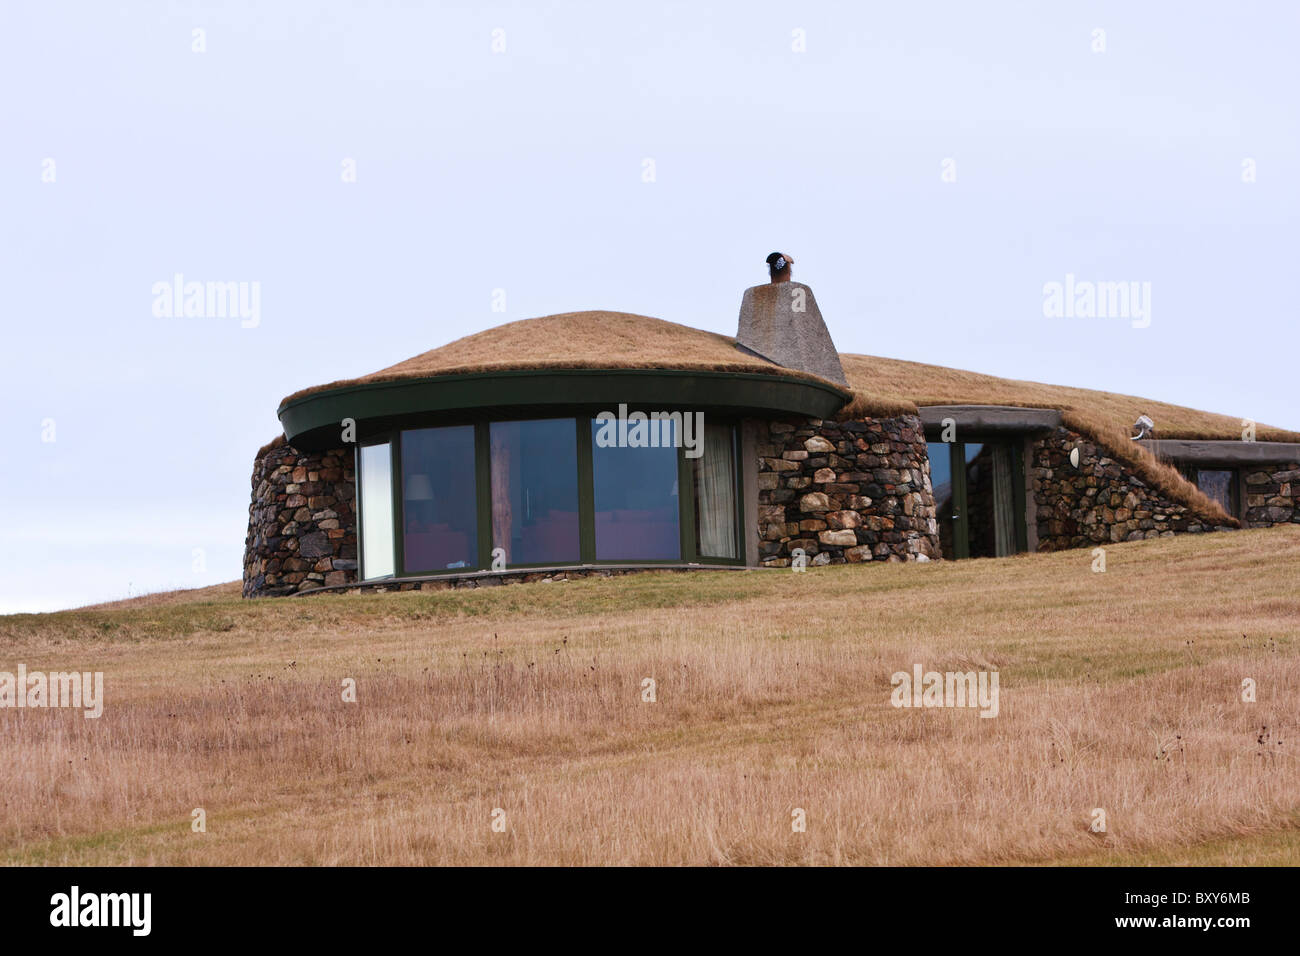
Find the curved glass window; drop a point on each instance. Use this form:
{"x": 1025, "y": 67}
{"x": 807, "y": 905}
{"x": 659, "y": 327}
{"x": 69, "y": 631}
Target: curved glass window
{"x": 555, "y": 491}
{"x": 535, "y": 491}
{"x": 635, "y": 492}
{"x": 439, "y": 500}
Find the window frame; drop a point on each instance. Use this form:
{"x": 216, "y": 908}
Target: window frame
{"x": 690, "y": 529}
{"x": 582, "y": 419}
{"x": 399, "y": 499}
{"x": 957, "y": 465}
{"x": 1234, "y": 486}
{"x": 370, "y": 442}
{"x": 483, "y": 476}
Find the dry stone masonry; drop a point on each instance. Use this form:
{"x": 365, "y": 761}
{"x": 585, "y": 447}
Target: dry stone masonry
{"x": 1099, "y": 502}
{"x": 1272, "y": 495}
{"x": 301, "y": 522}
{"x": 845, "y": 491}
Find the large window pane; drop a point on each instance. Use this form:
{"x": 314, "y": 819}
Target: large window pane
{"x": 376, "y": 514}
{"x": 439, "y": 499}
{"x": 1219, "y": 485}
{"x": 990, "y": 509}
{"x": 941, "y": 484}
{"x": 636, "y": 500}
{"x": 535, "y": 491}
{"x": 715, "y": 494}
{"x": 1004, "y": 499}
{"x": 980, "y": 527}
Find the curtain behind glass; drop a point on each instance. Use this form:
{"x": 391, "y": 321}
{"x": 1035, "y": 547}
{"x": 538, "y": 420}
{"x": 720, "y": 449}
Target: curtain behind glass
{"x": 1004, "y": 518}
{"x": 715, "y": 494}
{"x": 534, "y": 480}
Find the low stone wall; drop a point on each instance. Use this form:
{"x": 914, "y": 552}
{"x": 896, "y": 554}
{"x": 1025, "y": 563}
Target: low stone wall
{"x": 845, "y": 491}
{"x": 1099, "y": 502}
{"x": 492, "y": 579}
{"x": 1272, "y": 495}
{"x": 302, "y": 530}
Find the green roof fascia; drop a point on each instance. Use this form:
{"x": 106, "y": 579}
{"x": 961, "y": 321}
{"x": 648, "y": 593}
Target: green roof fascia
{"x": 315, "y": 419}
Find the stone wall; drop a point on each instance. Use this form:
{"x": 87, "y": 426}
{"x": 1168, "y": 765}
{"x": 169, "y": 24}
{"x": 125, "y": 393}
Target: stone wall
{"x": 302, "y": 530}
{"x": 842, "y": 491}
{"x": 1099, "y": 502}
{"x": 1272, "y": 495}
{"x": 845, "y": 491}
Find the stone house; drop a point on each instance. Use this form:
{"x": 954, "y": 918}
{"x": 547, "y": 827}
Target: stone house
{"x": 604, "y": 442}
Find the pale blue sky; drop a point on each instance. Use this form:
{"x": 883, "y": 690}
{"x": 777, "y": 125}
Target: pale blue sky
{"x": 523, "y": 171}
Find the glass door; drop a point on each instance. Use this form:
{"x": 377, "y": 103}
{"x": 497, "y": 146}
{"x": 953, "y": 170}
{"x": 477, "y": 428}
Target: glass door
{"x": 978, "y": 497}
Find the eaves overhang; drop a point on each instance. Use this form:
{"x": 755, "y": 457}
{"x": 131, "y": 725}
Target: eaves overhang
{"x": 315, "y": 420}
{"x": 1221, "y": 452}
{"x": 990, "y": 418}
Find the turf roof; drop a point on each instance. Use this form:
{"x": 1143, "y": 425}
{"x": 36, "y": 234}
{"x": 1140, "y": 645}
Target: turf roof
{"x": 881, "y": 386}
{"x": 586, "y": 340}
{"x": 621, "y": 340}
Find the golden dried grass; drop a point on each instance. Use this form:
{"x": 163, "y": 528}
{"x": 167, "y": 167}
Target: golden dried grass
{"x": 901, "y": 381}
{"x": 1118, "y": 690}
{"x": 882, "y": 386}
{"x": 578, "y": 340}
{"x": 1159, "y": 475}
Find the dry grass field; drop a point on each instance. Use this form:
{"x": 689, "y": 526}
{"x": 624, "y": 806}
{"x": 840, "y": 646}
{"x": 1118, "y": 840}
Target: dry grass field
{"x": 1118, "y": 690}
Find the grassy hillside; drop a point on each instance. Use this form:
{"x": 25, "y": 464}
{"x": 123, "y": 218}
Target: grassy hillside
{"x": 1119, "y": 690}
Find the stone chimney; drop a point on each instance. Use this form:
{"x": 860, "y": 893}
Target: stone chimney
{"x": 780, "y": 322}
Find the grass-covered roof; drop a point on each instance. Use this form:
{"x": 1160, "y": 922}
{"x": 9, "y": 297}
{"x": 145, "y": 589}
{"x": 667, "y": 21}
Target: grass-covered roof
{"x": 881, "y": 386}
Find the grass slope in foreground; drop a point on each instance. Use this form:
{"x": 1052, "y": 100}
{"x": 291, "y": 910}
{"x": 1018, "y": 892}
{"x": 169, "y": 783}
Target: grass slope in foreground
{"x": 1119, "y": 690}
